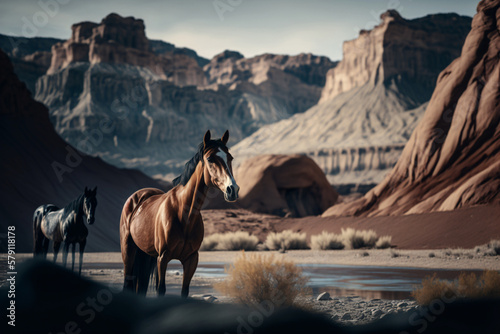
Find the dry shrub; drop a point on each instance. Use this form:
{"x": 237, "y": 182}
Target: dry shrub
{"x": 433, "y": 288}
{"x": 383, "y": 242}
{"x": 230, "y": 241}
{"x": 494, "y": 245}
{"x": 467, "y": 286}
{"x": 210, "y": 242}
{"x": 355, "y": 239}
{"x": 287, "y": 239}
{"x": 326, "y": 240}
{"x": 254, "y": 279}
{"x": 237, "y": 241}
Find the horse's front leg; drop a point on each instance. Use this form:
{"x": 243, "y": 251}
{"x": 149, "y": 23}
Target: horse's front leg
{"x": 189, "y": 266}
{"x": 65, "y": 253}
{"x": 82, "y": 249}
{"x": 162, "y": 262}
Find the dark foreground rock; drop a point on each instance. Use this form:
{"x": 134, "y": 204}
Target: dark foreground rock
{"x": 52, "y": 299}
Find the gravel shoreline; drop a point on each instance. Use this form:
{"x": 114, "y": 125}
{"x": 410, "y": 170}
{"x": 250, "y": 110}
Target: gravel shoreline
{"x": 355, "y": 310}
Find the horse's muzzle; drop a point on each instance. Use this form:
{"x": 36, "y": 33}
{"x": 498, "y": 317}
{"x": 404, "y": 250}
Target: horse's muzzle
{"x": 90, "y": 221}
{"x": 231, "y": 193}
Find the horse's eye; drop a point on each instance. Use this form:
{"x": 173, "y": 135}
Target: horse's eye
{"x": 211, "y": 160}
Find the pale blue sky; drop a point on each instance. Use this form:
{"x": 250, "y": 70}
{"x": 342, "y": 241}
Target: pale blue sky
{"x": 249, "y": 26}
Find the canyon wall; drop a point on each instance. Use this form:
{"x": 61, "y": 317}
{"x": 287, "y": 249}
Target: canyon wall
{"x": 452, "y": 158}
{"x": 145, "y": 104}
{"x": 372, "y": 100}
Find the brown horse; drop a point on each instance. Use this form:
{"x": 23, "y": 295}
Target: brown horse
{"x": 156, "y": 227}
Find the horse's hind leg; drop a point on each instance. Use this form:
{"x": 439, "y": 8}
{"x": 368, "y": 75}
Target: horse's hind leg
{"x": 162, "y": 262}
{"x": 57, "y": 245}
{"x": 45, "y": 247}
{"x": 65, "y": 253}
{"x": 73, "y": 247}
{"x": 189, "y": 266}
{"x": 39, "y": 243}
{"x": 82, "y": 249}
{"x": 129, "y": 251}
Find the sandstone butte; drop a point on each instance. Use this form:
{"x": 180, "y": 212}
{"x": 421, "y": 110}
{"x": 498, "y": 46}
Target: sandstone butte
{"x": 452, "y": 159}
{"x": 291, "y": 185}
{"x": 123, "y": 41}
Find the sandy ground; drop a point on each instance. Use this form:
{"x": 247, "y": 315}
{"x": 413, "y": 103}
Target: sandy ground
{"x": 465, "y": 228}
{"x": 452, "y": 258}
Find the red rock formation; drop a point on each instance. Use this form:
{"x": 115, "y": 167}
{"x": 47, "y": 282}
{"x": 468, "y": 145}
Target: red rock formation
{"x": 284, "y": 185}
{"x": 412, "y": 49}
{"x": 123, "y": 41}
{"x": 452, "y": 159}
{"x": 38, "y": 167}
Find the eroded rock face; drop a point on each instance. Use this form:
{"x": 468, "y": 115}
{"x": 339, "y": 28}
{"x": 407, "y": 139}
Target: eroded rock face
{"x": 38, "y": 167}
{"x": 284, "y": 185}
{"x": 128, "y": 102}
{"x": 293, "y": 81}
{"x": 452, "y": 159}
{"x": 372, "y": 99}
{"x": 123, "y": 41}
{"x": 31, "y": 57}
{"x": 415, "y": 50}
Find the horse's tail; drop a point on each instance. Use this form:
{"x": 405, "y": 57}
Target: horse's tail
{"x": 37, "y": 231}
{"x": 138, "y": 272}
{"x": 144, "y": 267}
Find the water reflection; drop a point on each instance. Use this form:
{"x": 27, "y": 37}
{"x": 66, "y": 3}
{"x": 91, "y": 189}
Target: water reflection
{"x": 339, "y": 280}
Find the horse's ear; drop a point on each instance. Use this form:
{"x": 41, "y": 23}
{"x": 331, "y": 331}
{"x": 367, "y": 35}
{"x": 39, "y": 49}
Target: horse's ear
{"x": 225, "y": 137}
{"x": 95, "y": 190}
{"x": 206, "y": 139}
{"x": 86, "y": 190}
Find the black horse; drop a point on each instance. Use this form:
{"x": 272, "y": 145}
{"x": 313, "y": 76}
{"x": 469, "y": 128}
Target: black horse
{"x": 64, "y": 225}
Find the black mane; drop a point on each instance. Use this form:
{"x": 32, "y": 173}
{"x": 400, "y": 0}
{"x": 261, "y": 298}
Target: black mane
{"x": 74, "y": 205}
{"x": 190, "y": 166}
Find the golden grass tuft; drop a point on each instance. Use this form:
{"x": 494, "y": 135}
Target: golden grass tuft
{"x": 383, "y": 242}
{"x": 229, "y": 241}
{"x": 326, "y": 241}
{"x": 287, "y": 239}
{"x": 354, "y": 239}
{"x": 467, "y": 286}
{"x": 254, "y": 279}
{"x": 210, "y": 242}
{"x": 494, "y": 245}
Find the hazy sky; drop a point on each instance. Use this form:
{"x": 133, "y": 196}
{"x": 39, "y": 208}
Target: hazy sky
{"x": 210, "y": 26}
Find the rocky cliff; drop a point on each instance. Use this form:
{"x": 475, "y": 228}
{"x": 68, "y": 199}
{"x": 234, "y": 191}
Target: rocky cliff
{"x": 31, "y": 57}
{"x": 121, "y": 40}
{"x": 38, "y": 167}
{"x": 126, "y": 99}
{"x": 372, "y": 99}
{"x": 398, "y": 49}
{"x": 452, "y": 159}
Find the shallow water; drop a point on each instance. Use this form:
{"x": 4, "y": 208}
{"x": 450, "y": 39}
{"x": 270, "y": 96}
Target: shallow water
{"x": 339, "y": 280}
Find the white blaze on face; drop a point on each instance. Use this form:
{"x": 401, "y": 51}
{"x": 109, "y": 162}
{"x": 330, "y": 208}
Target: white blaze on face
{"x": 230, "y": 181}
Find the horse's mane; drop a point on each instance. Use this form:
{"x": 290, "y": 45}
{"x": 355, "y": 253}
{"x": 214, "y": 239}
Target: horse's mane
{"x": 75, "y": 204}
{"x": 190, "y": 166}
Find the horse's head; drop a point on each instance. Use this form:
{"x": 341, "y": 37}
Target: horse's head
{"x": 218, "y": 170}
{"x": 89, "y": 204}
